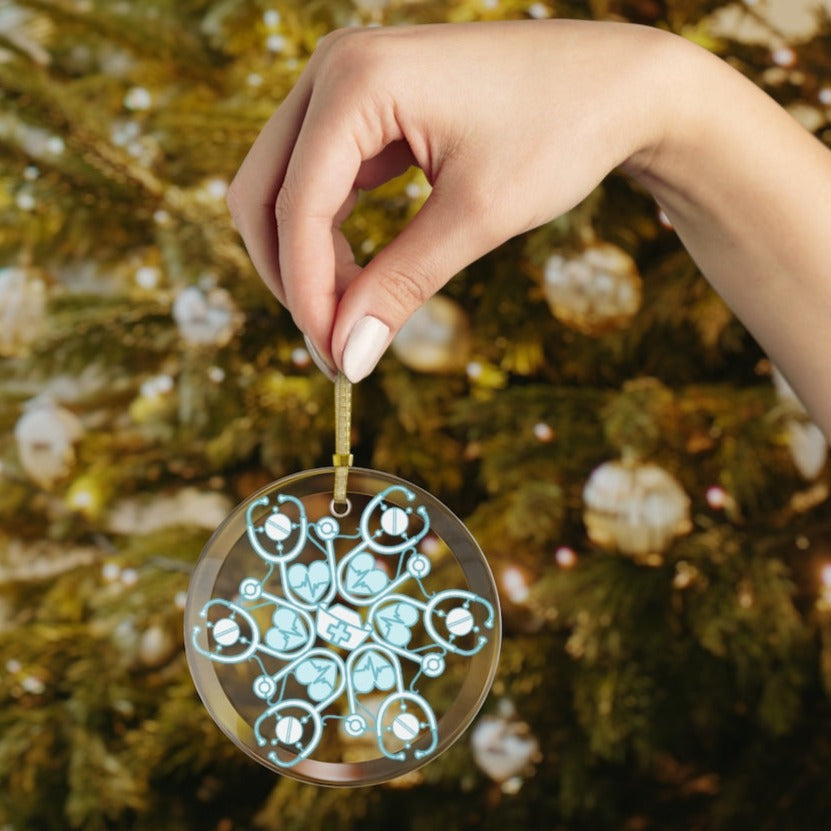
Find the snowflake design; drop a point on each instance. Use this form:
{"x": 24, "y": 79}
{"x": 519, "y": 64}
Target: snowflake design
{"x": 342, "y": 619}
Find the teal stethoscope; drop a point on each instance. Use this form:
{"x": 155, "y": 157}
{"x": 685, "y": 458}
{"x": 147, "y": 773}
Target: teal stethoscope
{"x": 348, "y": 604}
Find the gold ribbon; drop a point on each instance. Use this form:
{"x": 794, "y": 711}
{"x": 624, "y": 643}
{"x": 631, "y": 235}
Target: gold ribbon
{"x": 342, "y": 457}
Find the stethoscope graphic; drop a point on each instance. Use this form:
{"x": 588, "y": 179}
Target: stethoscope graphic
{"x": 304, "y": 615}
{"x": 278, "y": 528}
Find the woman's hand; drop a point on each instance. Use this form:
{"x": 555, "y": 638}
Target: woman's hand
{"x": 513, "y": 124}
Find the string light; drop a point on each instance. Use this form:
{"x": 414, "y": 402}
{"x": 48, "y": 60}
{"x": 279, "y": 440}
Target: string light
{"x": 783, "y": 56}
{"x": 716, "y": 497}
{"x": 565, "y": 557}
{"x": 543, "y": 432}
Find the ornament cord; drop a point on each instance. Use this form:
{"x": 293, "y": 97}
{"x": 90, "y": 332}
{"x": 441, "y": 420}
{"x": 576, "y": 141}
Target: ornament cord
{"x": 342, "y": 457}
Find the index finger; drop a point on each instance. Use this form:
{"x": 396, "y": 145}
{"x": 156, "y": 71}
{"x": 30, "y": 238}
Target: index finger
{"x": 319, "y": 182}
{"x": 253, "y": 192}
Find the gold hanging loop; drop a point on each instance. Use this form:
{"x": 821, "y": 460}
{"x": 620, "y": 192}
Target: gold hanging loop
{"x": 342, "y": 457}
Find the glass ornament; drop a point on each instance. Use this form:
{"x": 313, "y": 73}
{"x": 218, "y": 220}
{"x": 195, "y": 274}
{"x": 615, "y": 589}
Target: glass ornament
{"x": 595, "y": 292}
{"x": 342, "y": 642}
{"x": 807, "y": 443}
{"x": 436, "y": 337}
{"x": 46, "y": 435}
{"x": 637, "y": 508}
{"x": 206, "y": 318}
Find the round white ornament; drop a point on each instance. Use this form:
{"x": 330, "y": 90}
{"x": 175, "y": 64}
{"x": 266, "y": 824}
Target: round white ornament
{"x": 808, "y": 446}
{"x": 206, "y": 318}
{"x": 502, "y": 747}
{"x": 807, "y": 443}
{"x": 325, "y": 639}
{"x": 156, "y": 647}
{"x": 637, "y": 508}
{"x": 436, "y": 337}
{"x": 594, "y": 292}
{"x": 22, "y": 309}
{"x": 46, "y": 435}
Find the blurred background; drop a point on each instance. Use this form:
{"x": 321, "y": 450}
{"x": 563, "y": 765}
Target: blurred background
{"x": 653, "y": 500}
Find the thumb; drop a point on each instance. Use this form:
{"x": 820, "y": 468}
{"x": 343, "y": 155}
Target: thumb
{"x": 445, "y": 236}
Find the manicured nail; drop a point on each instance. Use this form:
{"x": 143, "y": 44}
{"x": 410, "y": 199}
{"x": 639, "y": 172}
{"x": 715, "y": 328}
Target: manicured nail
{"x": 364, "y": 347}
{"x": 324, "y": 367}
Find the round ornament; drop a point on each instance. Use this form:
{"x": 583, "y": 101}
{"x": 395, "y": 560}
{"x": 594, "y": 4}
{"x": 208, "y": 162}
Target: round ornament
{"x": 503, "y": 747}
{"x": 638, "y": 508}
{"x": 46, "y": 435}
{"x": 436, "y": 337}
{"x": 207, "y": 318}
{"x": 594, "y": 292}
{"x": 342, "y": 642}
{"x": 807, "y": 443}
{"x": 22, "y": 310}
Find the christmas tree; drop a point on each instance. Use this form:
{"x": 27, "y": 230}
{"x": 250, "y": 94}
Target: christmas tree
{"x": 652, "y": 498}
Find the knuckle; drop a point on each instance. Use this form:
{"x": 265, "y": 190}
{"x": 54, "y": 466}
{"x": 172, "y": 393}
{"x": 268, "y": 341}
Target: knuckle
{"x": 285, "y": 205}
{"x": 406, "y": 286}
{"x": 354, "y": 56}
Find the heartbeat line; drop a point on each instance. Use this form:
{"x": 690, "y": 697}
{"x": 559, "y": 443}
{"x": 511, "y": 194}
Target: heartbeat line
{"x": 323, "y": 668}
{"x": 375, "y": 670}
{"x": 313, "y": 587}
{"x": 361, "y": 583}
{"x": 290, "y": 634}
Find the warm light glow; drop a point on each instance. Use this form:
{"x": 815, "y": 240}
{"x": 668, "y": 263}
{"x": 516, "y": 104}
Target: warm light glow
{"x": 565, "y": 557}
{"x": 85, "y": 496}
{"x": 513, "y": 581}
{"x": 825, "y": 576}
{"x": 716, "y": 497}
{"x": 783, "y": 56}
{"x": 543, "y": 432}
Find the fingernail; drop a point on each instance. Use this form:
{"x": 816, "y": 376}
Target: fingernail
{"x": 324, "y": 367}
{"x": 364, "y": 347}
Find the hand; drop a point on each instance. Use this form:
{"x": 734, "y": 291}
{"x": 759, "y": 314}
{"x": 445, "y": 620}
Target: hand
{"x": 513, "y": 124}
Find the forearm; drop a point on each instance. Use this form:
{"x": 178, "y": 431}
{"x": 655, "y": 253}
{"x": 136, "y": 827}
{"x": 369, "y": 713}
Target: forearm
{"x": 749, "y": 192}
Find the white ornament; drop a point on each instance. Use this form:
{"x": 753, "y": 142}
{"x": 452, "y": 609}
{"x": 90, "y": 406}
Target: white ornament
{"x": 137, "y": 98}
{"x": 148, "y": 277}
{"x": 636, "y": 508}
{"x": 22, "y": 309}
{"x": 187, "y": 507}
{"x": 156, "y": 647}
{"x": 206, "y": 317}
{"x": 596, "y": 291}
{"x": 436, "y": 338}
{"x": 25, "y": 200}
{"x": 807, "y": 443}
{"x": 539, "y": 11}
{"x": 809, "y": 448}
{"x": 275, "y": 43}
{"x": 503, "y": 748}
{"x": 55, "y": 145}
{"x": 515, "y": 585}
{"x": 46, "y": 435}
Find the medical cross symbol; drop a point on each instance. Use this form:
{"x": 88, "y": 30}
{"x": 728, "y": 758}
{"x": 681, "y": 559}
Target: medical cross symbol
{"x": 338, "y": 633}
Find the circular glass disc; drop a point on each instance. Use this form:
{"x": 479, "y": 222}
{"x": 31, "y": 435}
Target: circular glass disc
{"x": 342, "y": 644}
